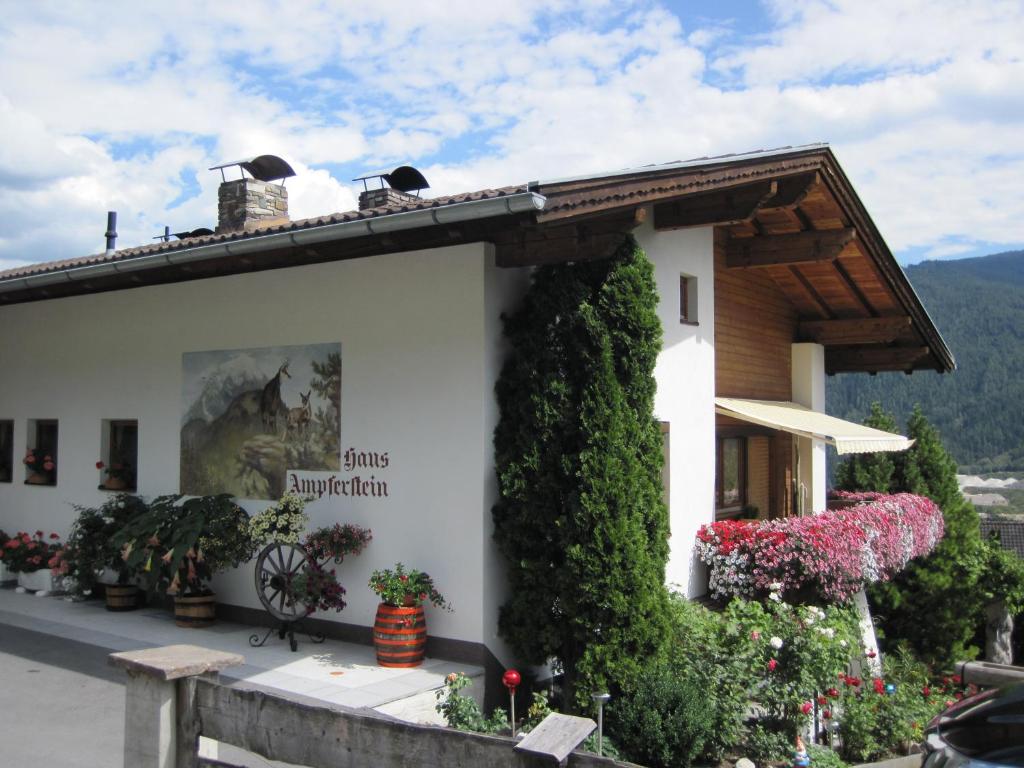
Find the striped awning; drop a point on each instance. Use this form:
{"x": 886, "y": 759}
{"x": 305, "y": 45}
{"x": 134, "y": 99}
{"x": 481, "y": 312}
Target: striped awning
{"x": 846, "y": 436}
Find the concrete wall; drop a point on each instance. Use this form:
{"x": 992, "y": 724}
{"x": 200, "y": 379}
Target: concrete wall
{"x": 419, "y": 358}
{"x": 686, "y": 390}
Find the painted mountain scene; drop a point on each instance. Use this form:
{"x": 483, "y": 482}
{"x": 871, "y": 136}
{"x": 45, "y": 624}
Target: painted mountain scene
{"x": 251, "y": 414}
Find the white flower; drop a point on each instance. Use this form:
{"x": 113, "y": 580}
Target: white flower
{"x": 775, "y": 586}
{"x": 775, "y": 642}
{"x": 775, "y": 596}
{"x": 842, "y": 643}
{"x": 827, "y": 632}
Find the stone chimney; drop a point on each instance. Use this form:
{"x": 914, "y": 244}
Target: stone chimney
{"x": 247, "y": 204}
{"x": 384, "y": 197}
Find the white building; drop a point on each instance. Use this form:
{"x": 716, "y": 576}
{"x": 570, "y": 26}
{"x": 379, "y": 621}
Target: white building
{"x": 770, "y": 273}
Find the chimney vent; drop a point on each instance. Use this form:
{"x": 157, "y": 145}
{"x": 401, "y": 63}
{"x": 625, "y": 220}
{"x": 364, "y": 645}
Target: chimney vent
{"x": 401, "y": 183}
{"x": 246, "y": 204}
{"x": 111, "y": 233}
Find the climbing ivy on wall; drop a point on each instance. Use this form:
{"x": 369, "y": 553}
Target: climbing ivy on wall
{"x": 580, "y": 518}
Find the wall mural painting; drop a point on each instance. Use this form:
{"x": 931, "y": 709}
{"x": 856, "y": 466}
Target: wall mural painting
{"x": 249, "y": 415}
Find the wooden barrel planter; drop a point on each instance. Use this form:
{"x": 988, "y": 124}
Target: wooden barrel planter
{"x": 121, "y": 597}
{"x": 195, "y": 611}
{"x": 400, "y": 635}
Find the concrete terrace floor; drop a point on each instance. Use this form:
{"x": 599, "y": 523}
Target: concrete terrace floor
{"x": 333, "y": 674}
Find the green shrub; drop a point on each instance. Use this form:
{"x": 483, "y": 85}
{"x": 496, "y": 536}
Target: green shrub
{"x": 765, "y": 745}
{"x": 462, "y": 712}
{"x": 578, "y": 453}
{"x": 823, "y": 757}
{"x": 664, "y": 719}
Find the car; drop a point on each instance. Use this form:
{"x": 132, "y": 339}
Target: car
{"x": 982, "y": 731}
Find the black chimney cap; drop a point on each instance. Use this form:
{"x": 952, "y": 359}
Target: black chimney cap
{"x": 404, "y": 178}
{"x": 262, "y": 167}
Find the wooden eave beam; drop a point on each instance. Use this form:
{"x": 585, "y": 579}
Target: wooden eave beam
{"x": 795, "y": 248}
{"x": 791, "y": 192}
{"x": 873, "y": 359}
{"x": 578, "y": 241}
{"x": 871, "y": 330}
{"x": 727, "y": 207}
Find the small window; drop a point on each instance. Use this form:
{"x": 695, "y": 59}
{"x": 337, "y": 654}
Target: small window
{"x": 6, "y": 451}
{"x": 41, "y": 452}
{"x": 731, "y": 476}
{"x": 119, "y": 451}
{"x": 688, "y": 299}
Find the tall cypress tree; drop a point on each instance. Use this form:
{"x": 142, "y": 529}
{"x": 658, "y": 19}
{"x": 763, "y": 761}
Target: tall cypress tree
{"x": 935, "y": 603}
{"x": 580, "y": 518}
{"x": 870, "y": 471}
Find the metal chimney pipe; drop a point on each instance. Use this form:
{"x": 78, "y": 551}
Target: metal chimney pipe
{"x": 111, "y": 232}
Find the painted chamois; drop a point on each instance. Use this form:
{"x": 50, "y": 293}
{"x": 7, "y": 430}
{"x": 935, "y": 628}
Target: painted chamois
{"x": 271, "y": 403}
{"x": 299, "y": 418}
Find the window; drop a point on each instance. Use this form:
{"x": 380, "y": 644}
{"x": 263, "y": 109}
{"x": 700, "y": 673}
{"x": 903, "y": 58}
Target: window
{"x": 119, "y": 450}
{"x": 730, "y": 476}
{"x": 41, "y": 453}
{"x": 6, "y": 451}
{"x": 688, "y": 299}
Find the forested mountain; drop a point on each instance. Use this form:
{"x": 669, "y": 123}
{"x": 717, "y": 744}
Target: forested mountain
{"x": 978, "y": 306}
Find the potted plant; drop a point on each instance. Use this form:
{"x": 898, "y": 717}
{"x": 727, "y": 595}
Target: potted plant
{"x": 90, "y": 556}
{"x": 178, "y": 545}
{"x": 42, "y": 468}
{"x": 6, "y": 575}
{"x": 400, "y": 629}
{"x": 317, "y": 587}
{"x": 29, "y": 556}
{"x": 120, "y": 476}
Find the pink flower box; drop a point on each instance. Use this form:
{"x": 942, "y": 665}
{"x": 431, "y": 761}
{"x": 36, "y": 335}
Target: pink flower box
{"x": 835, "y": 553}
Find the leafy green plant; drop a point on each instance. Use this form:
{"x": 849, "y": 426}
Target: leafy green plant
{"x": 765, "y": 745}
{"x": 90, "y": 547}
{"x": 462, "y": 712}
{"x": 578, "y": 453}
{"x": 824, "y": 757}
{"x": 400, "y": 587}
{"x": 663, "y": 719}
{"x": 179, "y": 543}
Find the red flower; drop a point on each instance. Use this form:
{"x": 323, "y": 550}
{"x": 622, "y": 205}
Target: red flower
{"x": 957, "y": 680}
{"x": 879, "y": 685}
{"x": 822, "y": 701}
{"x": 871, "y": 654}
{"x": 772, "y": 664}
{"x": 755, "y": 635}
{"x": 827, "y": 714}
{"x": 39, "y": 534}
{"x": 926, "y": 691}
{"x": 806, "y": 707}
{"x": 100, "y": 465}
{"x": 832, "y": 693}
{"x": 959, "y": 696}
{"x": 54, "y": 536}
{"x": 48, "y": 466}
{"x": 403, "y": 578}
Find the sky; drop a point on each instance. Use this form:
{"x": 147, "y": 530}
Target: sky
{"x": 125, "y": 105}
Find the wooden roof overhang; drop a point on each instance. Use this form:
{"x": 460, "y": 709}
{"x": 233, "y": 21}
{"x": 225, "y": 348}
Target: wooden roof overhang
{"x": 792, "y": 215}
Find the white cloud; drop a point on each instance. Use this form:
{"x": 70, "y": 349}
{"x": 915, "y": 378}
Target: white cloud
{"x": 923, "y": 102}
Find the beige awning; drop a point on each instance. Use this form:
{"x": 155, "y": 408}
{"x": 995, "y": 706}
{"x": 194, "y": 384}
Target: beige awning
{"x": 846, "y": 436}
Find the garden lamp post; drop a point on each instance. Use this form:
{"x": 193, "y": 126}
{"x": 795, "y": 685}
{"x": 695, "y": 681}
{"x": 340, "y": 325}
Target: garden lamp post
{"x": 511, "y": 679}
{"x": 601, "y": 699}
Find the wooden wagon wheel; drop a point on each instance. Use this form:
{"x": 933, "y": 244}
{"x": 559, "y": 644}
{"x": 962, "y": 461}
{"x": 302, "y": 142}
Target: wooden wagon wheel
{"x": 277, "y": 566}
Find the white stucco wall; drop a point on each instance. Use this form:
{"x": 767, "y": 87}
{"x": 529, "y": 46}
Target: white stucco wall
{"x": 419, "y": 358}
{"x": 808, "y": 367}
{"x": 686, "y": 390}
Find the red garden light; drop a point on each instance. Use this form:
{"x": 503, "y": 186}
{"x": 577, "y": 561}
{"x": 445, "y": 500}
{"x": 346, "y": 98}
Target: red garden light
{"x": 512, "y": 679}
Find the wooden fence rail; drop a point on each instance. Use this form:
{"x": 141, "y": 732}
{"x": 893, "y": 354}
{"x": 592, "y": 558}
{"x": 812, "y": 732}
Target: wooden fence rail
{"x": 173, "y": 698}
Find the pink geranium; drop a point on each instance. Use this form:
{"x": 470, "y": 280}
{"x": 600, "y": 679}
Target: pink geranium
{"x": 836, "y": 552}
